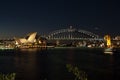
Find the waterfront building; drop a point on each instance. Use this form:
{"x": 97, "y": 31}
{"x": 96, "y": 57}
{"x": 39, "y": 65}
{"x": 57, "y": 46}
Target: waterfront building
{"x": 30, "y": 38}
{"x": 30, "y": 41}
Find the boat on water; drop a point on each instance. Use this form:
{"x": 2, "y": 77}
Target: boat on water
{"x": 108, "y": 50}
{"x": 112, "y": 51}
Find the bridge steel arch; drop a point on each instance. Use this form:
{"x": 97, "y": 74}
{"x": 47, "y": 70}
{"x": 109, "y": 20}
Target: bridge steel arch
{"x": 72, "y": 34}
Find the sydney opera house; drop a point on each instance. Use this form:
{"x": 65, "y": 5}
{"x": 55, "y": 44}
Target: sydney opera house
{"x": 31, "y": 40}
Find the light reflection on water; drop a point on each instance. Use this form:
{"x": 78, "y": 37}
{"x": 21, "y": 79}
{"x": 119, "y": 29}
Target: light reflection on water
{"x": 50, "y": 64}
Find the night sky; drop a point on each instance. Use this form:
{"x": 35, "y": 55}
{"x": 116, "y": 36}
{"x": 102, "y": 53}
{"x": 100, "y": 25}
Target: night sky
{"x": 19, "y": 17}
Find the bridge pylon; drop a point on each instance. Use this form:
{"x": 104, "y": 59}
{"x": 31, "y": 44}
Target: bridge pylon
{"x": 107, "y": 38}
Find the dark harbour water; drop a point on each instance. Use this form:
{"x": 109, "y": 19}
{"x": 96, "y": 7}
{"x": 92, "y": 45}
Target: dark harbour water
{"x": 51, "y": 64}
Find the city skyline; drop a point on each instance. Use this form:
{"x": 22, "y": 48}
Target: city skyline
{"x": 18, "y": 18}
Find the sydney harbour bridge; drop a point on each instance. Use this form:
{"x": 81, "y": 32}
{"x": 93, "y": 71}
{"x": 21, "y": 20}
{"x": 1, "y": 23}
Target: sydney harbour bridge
{"x": 72, "y": 34}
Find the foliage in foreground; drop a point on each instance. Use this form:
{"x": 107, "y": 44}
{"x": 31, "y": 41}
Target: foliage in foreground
{"x": 79, "y": 74}
{"x": 7, "y": 76}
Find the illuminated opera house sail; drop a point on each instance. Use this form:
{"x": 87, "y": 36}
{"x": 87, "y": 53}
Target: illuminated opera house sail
{"x": 30, "y": 38}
